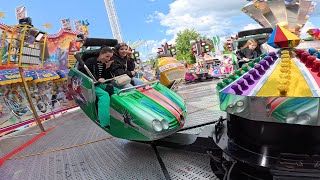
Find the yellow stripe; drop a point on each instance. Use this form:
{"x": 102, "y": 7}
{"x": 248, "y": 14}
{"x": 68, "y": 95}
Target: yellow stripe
{"x": 298, "y": 86}
{"x": 288, "y": 34}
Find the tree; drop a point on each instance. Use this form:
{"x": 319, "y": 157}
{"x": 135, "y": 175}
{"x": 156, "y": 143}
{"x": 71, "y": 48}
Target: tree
{"x": 183, "y": 46}
{"x": 226, "y": 50}
{"x": 153, "y": 62}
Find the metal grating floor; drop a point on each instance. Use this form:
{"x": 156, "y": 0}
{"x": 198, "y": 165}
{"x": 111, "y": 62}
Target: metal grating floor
{"x": 202, "y": 103}
{"x": 186, "y": 165}
{"x": 82, "y": 150}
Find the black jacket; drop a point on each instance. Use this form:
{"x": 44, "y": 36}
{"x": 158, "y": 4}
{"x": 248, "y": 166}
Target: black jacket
{"x": 122, "y": 66}
{"x": 92, "y": 64}
{"x": 248, "y": 53}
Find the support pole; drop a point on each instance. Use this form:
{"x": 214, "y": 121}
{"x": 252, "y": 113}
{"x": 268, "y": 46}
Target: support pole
{"x": 30, "y": 100}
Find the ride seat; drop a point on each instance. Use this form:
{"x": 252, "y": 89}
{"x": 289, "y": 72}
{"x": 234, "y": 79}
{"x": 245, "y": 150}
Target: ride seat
{"x": 89, "y": 54}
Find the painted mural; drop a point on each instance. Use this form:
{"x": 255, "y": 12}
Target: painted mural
{"x": 58, "y": 48}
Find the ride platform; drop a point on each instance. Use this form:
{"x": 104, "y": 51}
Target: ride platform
{"x": 75, "y": 148}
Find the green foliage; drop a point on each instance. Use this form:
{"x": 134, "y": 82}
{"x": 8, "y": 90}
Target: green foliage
{"x": 226, "y": 51}
{"x": 184, "y": 52}
{"x": 309, "y": 38}
{"x": 153, "y": 62}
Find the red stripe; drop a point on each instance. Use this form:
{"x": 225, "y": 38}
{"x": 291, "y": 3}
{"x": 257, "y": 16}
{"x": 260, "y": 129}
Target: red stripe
{"x": 8, "y": 156}
{"x": 164, "y": 98}
{"x": 160, "y": 101}
{"x": 276, "y": 103}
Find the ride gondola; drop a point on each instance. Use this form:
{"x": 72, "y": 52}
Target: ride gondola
{"x": 142, "y": 113}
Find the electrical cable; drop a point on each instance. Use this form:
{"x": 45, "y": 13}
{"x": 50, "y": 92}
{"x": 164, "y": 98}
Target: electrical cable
{"x": 61, "y": 149}
{"x": 230, "y": 170}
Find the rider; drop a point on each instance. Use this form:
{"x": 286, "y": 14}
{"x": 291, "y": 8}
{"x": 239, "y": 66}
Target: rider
{"x": 99, "y": 66}
{"x": 248, "y": 52}
{"x": 124, "y": 64}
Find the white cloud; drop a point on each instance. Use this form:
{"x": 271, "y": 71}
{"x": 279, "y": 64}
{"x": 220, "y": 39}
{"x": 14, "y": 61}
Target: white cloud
{"x": 306, "y": 27}
{"x": 152, "y": 17}
{"x": 251, "y": 26}
{"x": 149, "y": 20}
{"x": 205, "y": 16}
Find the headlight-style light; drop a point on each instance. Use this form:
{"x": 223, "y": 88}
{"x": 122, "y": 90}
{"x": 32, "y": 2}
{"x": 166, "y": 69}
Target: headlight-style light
{"x": 157, "y": 126}
{"x": 240, "y": 103}
{"x": 291, "y": 117}
{"x": 304, "y": 119}
{"x": 165, "y": 124}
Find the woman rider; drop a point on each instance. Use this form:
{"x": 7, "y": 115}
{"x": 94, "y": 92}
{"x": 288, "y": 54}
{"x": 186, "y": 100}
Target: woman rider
{"x": 124, "y": 64}
{"x": 99, "y": 66}
{"x": 248, "y": 52}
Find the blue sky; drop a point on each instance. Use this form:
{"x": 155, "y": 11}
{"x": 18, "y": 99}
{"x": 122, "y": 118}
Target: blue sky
{"x": 132, "y": 15}
{"x": 155, "y": 21}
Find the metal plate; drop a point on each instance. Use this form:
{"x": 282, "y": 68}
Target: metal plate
{"x": 111, "y": 158}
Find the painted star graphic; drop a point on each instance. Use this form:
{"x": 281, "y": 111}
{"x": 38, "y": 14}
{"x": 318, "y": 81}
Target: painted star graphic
{"x": 2, "y": 14}
{"x": 47, "y": 25}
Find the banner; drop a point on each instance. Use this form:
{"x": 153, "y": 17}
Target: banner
{"x": 21, "y": 12}
{"x": 66, "y": 24}
{"x": 81, "y": 26}
{"x": 78, "y": 26}
{"x": 218, "y": 46}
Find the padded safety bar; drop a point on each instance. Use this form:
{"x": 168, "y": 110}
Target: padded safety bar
{"x": 100, "y": 42}
{"x": 254, "y": 32}
{"x": 139, "y": 86}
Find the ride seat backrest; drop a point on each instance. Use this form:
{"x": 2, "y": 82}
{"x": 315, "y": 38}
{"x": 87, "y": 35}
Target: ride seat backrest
{"x": 254, "y": 32}
{"x": 241, "y": 44}
{"x": 90, "y": 53}
{"x": 259, "y": 40}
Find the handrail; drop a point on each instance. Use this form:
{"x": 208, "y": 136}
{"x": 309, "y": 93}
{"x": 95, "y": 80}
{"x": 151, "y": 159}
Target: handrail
{"x": 134, "y": 87}
{"x": 81, "y": 63}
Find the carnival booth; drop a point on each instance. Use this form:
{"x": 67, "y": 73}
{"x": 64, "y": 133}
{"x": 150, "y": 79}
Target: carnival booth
{"x": 25, "y": 50}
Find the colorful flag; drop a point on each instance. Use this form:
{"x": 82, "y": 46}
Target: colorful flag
{"x": 66, "y": 24}
{"x": 21, "y": 12}
{"x": 85, "y": 23}
{"x": 78, "y": 26}
{"x": 217, "y": 44}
